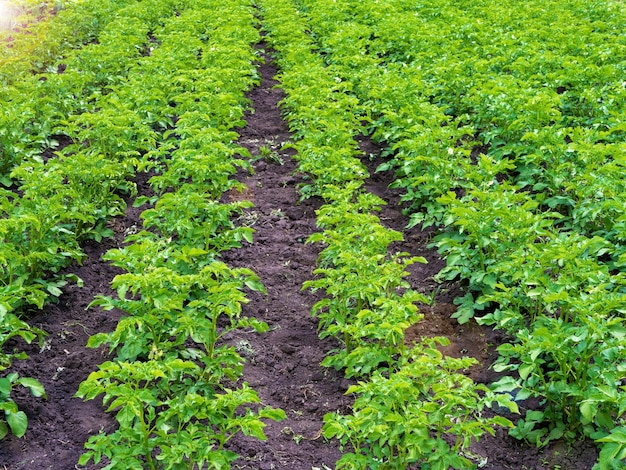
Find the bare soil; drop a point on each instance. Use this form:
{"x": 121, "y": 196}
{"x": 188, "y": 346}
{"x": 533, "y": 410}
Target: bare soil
{"x": 282, "y": 364}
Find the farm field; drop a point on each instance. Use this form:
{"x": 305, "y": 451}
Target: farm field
{"x": 312, "y": 234}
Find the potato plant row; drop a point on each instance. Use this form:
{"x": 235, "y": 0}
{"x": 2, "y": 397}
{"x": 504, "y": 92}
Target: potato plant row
{"x": 174, "y": 385}
{"x": 108, "y": 105}
{"x": 36, "y": 34}
{"x": 412, "y": 405}
{"x": 44, "y": 42}
{"x": 52, "y": 205}
{"x": 505, "y": 125}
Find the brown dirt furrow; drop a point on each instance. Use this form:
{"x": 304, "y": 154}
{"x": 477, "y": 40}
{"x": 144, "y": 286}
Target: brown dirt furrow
{"x": 283, "y": 363}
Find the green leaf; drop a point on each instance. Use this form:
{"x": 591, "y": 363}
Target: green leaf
{"x": 525, "y": 370}
{"x": 255, "y": 285}
{"x": 255, "y": 429}
{"x": 5, "y": 387}
{"x": 273, "y": 414}
{"x": 141, "y": 200}
{"x": 618, "y": 331}
{"x": 522, "y": 394}
{"x": 54, "y": 290}
{"x": 502, "y": 421}
{"x": 505, "y": 384}
{"x": 604, "y": 419}
{"x": 36, "y": 389}
{"x": 617, "y": 435}
{"x": 74, "y": 278}
{"x": 18, "y": 422}
{"x": 247, "y": 236}
{"x": 85, "y": 458}
{"x": 588, "y": 410}
{"x": 258, "y": 326}
{"x": 97, "y": 340}
{"x": 464, "y": 314}
{"x": 534, "y": 415}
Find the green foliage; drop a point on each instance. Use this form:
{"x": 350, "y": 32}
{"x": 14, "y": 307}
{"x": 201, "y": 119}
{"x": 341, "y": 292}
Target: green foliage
{"x": 405, "y": 393}
{"x": 170, "y": 384}
{"x": 167, "y": 309}
{"x": 169, "y": 415}
{"x": 506, "y": 136}
{"x": 613, "y": 450}
{"x": 197, "y": 220}
{"x": 404, "y": 418}
{"x": 15, "y": 420}
{"x": 575, "y": 369}
{"x": 510, "y": 139}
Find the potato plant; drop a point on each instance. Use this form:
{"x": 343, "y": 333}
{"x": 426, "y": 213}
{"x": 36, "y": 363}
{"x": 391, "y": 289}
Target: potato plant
{"x": 403, "y": 419}
{"x": 13, "y": 419}
{"x": 171, "y": 414}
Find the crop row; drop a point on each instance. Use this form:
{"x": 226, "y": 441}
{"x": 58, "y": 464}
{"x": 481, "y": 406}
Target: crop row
{"x": 105, "y": 107}
{"x": 38, "y": 34}
{"x": 53, "y": 201}
{"x": 409, "y": 398}
{"x": 508, "y": 134}
{"x": 41, "y": 49}
{"x": 173, "y": 383}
